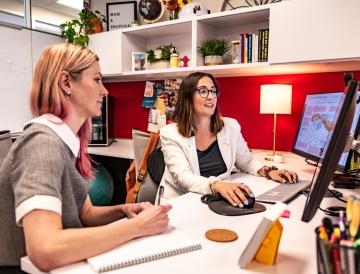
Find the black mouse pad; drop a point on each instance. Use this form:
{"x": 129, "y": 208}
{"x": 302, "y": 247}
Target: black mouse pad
{"x": 224, "y": 208}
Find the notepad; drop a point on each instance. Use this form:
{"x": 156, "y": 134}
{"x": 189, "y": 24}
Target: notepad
{"x": 146, "y": 249}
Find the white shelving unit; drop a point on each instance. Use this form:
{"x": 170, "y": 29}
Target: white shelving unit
{"x": 304, "y": 37}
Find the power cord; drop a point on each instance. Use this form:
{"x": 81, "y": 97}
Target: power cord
{"x": 311, "y": 163}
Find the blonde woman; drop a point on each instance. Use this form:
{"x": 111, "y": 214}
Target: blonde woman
{"x": 45, "y": 211}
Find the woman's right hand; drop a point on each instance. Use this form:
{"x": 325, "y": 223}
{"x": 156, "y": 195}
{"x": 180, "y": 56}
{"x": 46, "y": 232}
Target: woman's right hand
{"x": 153, "y": 220}
{"x": 233, "y": 192}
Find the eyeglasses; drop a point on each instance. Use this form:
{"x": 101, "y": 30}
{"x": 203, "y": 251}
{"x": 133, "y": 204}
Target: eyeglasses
{"x": 204, "y": 92}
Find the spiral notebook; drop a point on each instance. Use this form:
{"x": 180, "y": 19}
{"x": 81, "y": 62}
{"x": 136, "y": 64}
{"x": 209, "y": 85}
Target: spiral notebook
{"x": 146, "y": 249}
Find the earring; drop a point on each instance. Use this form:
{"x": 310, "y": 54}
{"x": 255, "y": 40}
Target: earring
{"x": 68, "y": 93}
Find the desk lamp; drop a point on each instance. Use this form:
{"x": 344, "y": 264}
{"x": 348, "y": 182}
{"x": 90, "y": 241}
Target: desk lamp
{"x": 275, "y": 99}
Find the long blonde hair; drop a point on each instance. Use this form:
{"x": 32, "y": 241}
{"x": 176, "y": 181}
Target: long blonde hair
{"x": 46, "y": 95}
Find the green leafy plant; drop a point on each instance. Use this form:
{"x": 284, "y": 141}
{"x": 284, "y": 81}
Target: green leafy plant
{"x": 76, "y": 31}
{"x": 214, "y": 46}
{"x": 161, "y": 53}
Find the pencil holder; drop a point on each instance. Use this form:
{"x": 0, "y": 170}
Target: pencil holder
{"x": 342, "y": 257}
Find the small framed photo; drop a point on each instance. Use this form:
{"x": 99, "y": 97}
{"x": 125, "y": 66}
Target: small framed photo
{"x": 138, "y": 61}
{"x": 120, "y": 15}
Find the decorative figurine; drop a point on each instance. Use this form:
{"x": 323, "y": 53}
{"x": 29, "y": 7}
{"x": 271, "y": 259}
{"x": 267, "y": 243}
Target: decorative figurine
{"x": 185, "y": 61}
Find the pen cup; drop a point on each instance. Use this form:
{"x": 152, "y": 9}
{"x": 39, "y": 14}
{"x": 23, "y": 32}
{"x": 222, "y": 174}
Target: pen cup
{"x": 339, "y": 257}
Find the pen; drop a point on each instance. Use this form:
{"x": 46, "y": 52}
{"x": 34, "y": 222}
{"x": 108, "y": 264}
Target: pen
{"x": 355, "y": 220}
{"x": 326, "y": 221}
{"x": 342, "y": 225}
{"x": 161, "y": 192}
{"x": 322, "y": 233}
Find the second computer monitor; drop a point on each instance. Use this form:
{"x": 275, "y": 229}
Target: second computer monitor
{"x": 316, "y": 123}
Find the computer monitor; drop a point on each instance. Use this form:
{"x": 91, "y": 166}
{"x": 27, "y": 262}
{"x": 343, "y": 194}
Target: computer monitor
{"x": 346, "y": 156}
{"x": 334, "y": 147}
{"x": 312, "y": 133}
{"x": 316, "y": 122}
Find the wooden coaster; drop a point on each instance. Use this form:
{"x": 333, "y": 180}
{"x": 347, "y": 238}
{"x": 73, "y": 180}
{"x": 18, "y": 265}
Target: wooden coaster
{"x": 221, "y": 235}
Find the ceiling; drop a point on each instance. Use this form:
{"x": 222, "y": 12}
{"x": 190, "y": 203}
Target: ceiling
{"x": 55, "y": 7}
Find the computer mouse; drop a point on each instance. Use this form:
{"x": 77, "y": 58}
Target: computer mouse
{"x": 207, "y": 198}
{"x": 250, "y": 199}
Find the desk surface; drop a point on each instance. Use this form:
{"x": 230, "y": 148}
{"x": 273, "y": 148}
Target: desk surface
{"x": 297, "y": 251}
{"x": 120, "y": 148}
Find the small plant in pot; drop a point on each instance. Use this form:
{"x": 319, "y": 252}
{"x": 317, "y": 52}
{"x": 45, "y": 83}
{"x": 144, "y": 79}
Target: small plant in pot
{"x": 160, "y": 57}
{"x": 213, "y": 50}
{"x": 76, "y": 31}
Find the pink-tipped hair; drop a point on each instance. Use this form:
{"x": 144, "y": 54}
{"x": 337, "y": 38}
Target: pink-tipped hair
{"x": 46, "y": 96}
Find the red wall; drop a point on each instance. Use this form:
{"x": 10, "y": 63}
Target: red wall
{"x": 240, "y": 99}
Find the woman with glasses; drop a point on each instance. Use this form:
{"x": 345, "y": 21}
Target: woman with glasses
{"x": 201, "y": 148}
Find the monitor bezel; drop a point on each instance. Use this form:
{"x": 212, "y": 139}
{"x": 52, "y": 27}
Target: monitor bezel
{"x": 336, "y": 145}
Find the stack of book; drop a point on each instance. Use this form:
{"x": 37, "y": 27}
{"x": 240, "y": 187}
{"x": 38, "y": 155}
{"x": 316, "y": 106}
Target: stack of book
{"x": 253, "y": 47}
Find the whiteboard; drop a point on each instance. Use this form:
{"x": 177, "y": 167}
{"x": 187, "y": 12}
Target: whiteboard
{"x": 19, "y": 51}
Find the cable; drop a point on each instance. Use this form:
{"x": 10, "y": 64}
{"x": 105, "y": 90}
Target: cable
{"x": 333, "y": 193}
{"x": 309, "y": 162}
{"x": 333, "y": 210}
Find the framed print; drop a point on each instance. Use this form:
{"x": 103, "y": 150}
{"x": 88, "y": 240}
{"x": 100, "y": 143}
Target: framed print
{"x": 120, "y": 15}
{"x": 138, "y": 61}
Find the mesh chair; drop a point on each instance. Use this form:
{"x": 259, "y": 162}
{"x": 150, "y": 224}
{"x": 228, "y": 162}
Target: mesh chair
{"x": 156, "y": 165}
{"x": 5, "y": 144}
{"x": 149, "y": 186}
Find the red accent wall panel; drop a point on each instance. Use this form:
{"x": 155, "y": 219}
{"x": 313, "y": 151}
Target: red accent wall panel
{"x": 240, "y": 99}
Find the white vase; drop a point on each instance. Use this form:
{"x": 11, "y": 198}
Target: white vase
{"x": 211, "y": 60}
{"x": 162, "y": 64}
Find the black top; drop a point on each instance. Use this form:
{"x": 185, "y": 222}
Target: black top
{"x": 211, "y": 162}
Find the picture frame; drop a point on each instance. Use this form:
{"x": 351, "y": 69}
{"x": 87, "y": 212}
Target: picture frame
{"x": 120, "y": 14}
{"x": 138, "y": 61}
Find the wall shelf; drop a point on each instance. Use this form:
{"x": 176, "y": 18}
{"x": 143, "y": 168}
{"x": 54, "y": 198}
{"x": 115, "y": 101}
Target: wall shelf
{"x": 295, "y": 45}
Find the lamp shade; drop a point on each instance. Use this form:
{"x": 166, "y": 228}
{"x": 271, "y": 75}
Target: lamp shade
{"x": 275, "y": 99}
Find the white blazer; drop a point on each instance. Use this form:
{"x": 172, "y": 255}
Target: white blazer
{"x": 182, "y": 173}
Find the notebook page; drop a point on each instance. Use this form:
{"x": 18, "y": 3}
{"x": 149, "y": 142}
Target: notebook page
{"x": 172, "y": 242}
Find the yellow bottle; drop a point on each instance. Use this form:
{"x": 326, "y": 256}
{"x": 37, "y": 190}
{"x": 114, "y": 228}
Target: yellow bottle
{"x": 174, "y": 60}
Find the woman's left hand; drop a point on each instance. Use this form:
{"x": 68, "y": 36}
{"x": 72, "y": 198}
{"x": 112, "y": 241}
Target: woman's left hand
{"x": 283, "y": 176}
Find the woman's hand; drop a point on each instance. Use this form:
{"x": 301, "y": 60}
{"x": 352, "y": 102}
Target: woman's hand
{"x": 232, "y": 192}
{"x": 153, "y": 220}
{"x": 131, "y": 210}
{"x": 283, "y": 176}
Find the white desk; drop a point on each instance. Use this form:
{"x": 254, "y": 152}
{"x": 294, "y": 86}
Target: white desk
{"x": 297, "y": 251}
{"x": 120, "y": 148}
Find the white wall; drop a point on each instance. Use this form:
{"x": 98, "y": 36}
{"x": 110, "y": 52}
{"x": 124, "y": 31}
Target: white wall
{"x": 19, "y": 51}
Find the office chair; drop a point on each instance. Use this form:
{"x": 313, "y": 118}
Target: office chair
{"x": 5, "y": 144}
{"x": 156, "y": 165}
{"x": 149, "y": 187}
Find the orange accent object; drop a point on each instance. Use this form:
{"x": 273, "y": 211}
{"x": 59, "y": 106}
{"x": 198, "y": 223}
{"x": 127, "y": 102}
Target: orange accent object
{"x": 269, "y": 247}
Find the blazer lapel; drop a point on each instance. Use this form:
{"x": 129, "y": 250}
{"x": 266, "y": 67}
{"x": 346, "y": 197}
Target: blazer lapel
{"x": 225, "y": 149}
{"x": 193, "y": 155}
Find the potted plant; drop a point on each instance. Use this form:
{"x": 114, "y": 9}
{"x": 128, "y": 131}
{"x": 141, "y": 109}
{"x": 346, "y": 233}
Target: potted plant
{"x": 213, "y": 50}
{"x": 76, "y": 31}
{"x": 160, "y": 58}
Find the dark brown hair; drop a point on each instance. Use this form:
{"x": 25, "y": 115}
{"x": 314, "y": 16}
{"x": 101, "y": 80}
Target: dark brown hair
{"x": 184, "y": 109}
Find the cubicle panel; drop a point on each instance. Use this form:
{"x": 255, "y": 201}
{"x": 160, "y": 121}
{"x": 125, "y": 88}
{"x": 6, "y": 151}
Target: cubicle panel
{"x": 19, "y": 51}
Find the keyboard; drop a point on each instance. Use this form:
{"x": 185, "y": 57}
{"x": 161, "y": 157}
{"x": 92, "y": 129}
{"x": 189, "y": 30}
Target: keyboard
{"x": 283, "y": 192}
